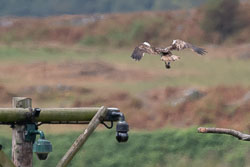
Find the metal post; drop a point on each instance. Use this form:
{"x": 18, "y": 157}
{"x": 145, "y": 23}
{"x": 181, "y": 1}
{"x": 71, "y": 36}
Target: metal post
{"x": 21, "y": 150}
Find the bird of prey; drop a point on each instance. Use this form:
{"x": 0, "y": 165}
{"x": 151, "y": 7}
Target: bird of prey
{"x": 165, "y": 53}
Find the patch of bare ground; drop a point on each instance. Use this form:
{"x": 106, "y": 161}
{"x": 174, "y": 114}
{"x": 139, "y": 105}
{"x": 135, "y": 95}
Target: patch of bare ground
{"x": 69, "y": 73}
{"x": 102, "y": 70}
{"x": 157, "y": 109}
{"x": 221, "y": 106}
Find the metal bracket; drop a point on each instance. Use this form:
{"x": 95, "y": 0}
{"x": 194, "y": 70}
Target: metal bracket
{"x": 108, "y": 127}
{"x": 113, "y": 114}
{"x": 34, "y": 112}
{"x": 31, "y": 132}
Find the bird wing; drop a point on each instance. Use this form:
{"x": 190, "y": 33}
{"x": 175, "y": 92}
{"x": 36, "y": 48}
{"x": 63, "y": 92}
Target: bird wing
{"x": 140, "y": 50}
{"x": 180, "y": 45}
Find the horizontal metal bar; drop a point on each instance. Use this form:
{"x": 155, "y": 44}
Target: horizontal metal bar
{"x": 50, "y": 115}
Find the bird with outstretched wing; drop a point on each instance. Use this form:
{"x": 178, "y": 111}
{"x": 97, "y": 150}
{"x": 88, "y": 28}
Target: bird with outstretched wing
{"x": 165, "y": 53}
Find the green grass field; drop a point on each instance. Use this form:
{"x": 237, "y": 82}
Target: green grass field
{"x": 165, "y": 147}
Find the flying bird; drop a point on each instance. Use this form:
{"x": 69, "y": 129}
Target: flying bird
{"x": 166, "y": 55}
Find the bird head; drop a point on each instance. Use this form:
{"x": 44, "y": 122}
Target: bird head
{"x": 146, "y": 43}
{"x": 174, "y": 41}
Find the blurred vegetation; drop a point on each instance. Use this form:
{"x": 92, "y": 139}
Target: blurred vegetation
{"x": 209, "y": 24}
{"x": 122, "y": 35}
{"x": 167, "y": 147}
{"x": 47, "y": 7}
{"x": 111, "y": 30}
{"x": 222, "y": 16}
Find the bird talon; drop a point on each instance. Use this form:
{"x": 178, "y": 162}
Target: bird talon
{"x": 167, "y": 65}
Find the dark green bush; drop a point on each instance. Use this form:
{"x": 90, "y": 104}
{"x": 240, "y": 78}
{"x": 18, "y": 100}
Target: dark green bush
{"x": 221, "y": 17}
